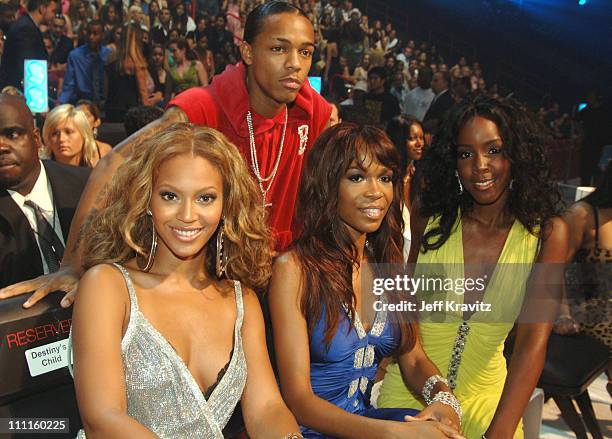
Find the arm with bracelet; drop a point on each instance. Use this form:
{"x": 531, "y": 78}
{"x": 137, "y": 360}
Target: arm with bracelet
{"x": 417, "y": 370}
{"x": 420, "y": 373}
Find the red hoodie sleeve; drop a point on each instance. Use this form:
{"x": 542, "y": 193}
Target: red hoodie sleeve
{"x": 199, "y": 106}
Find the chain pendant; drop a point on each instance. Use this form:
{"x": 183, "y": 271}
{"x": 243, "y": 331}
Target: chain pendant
{"x": 254, "y": 163}
{"x": 265, "y": 196}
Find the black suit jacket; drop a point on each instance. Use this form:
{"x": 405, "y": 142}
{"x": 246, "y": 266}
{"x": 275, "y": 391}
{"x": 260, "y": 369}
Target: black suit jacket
{"x": 63, "y": 46}
{"x": 19, "y": 253}
{"x": 438, "y": 109}
{"x": 24, "y": 41}
{"x": 159, "y": 35}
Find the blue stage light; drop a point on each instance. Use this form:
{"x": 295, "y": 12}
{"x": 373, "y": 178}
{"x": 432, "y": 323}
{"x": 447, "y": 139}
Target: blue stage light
{"x": 35, "y": 85}
{"x": 582, "y": 2}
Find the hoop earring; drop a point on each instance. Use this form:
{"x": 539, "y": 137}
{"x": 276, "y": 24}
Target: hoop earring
{"x": 221, "y": 255}
{"x": 151, "y": 257}
{"x": 460, "y": 191}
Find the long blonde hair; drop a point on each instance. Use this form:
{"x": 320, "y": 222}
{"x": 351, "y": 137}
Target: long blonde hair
{"x": 59, "y": 115}
{"x": 122, "y": 229}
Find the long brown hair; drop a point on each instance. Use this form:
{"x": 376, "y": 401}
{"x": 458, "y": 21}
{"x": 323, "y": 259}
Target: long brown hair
{"x": 325, "y": 250}
{"x": 121, "y": 229}
{"x": 129, "y": 53}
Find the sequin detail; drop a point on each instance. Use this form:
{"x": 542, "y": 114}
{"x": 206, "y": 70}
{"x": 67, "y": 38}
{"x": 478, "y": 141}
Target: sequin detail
{"x": 363, "y": 384}
{"x": 161, "y": 392}
{"x": 359, "y": 326}
{"x": 358, "y": 360}
{"x": 377, "y": 327}
{"x": 380, "y": 320}
{"x": 453, "y": 367}
{"x": 353, "y": 387}
{"x": 368, "y": 359}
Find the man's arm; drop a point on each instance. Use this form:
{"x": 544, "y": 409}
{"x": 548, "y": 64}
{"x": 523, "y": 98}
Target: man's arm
{"x": 67, "y": 277}
{"x": 69, "y": 86}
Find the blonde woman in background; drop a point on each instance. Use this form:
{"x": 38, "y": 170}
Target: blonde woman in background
{"x": 69, "y": 139}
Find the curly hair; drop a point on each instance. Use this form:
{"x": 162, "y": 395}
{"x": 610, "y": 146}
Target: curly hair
{"x": 59, "y": 115}
{"x": 325, "y": 250}
{"x": 534, "y": 197}
{"x": 122, "y": 230}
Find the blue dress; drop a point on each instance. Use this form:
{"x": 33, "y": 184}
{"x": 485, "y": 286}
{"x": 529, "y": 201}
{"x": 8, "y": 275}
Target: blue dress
{"x": 344, "y": 374}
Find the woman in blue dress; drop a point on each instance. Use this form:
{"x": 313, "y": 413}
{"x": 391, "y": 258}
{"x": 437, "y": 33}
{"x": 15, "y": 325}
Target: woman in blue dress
{"x": 349, "y": 209}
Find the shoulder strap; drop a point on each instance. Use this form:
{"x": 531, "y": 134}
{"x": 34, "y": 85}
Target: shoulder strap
{"x": 130, "y": 287}
{"x": 133, "y": 309}
{"x": 239, "y": 304}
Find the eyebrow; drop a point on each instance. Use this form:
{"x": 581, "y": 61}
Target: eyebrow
{"x": 495, "y": 139}
{"x": 8, "y": 129}
{"x": 359, "y": 168}
{"x": 285, "y": 40}
{"x": 204, "y": 189}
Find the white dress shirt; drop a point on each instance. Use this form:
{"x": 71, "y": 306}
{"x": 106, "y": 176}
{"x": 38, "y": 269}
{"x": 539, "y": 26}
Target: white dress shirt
{"x": 42, "y": 196}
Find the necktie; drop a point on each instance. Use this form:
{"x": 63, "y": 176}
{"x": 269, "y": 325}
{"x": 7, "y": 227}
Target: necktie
{"x": 50, "y": 244}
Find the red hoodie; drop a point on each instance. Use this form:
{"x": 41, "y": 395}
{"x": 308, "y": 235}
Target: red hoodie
{"x": 224, "y": 104}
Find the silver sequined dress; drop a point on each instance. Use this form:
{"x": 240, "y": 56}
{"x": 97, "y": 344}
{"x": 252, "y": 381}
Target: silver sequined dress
{"x": 161, "y": 392}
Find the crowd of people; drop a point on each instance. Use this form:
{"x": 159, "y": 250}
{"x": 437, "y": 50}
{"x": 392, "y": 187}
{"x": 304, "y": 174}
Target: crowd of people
{"x": 243, "y": 210}
{"x": 123, "y": 54}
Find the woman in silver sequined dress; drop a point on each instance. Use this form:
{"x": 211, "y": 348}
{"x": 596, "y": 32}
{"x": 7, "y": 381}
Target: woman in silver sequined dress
{"x": 162, "y": 338}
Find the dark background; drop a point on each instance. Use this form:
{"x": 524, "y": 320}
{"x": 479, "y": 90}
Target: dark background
{"x": 532, "y": 47}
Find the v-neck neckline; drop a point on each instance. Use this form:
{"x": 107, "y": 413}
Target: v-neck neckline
{"x": 140, "y": 333}
{"x": 169, "y": 349}
{"x": 504, "y": 247}
{"x": 358, "y": 325}
{"x": 500, "y": 258}
{"x": 171, "y": 352}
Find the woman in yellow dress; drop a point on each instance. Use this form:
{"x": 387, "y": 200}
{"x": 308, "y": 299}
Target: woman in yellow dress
{"x": 486, "y": 215}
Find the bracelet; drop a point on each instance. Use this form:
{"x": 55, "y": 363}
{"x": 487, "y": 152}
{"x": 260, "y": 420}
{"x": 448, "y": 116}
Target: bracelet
{"x": 450, "y": 400}
{"x": 429, "y": 385}
{"x": 293, "y": 436}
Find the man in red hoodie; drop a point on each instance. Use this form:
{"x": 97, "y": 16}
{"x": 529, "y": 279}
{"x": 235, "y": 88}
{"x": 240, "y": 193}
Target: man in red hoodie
{"x": 271, "y": 88}
{"x": 264, "y": 105}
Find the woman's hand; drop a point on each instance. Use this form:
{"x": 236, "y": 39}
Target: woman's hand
{"x": 566, "y": 325}
{"x": 65, "y": 279}
{"x": 421, "y": 429}
{"x": 437, "y": 411}
{"x": 156, "y": 97}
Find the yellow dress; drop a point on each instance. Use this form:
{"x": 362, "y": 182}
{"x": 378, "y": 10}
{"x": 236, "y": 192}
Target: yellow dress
{"x": 482, "y": 369}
